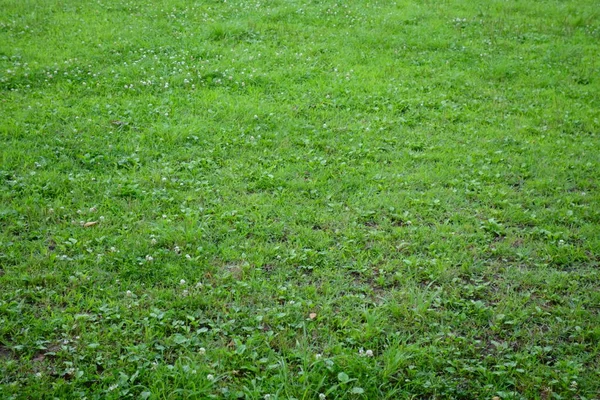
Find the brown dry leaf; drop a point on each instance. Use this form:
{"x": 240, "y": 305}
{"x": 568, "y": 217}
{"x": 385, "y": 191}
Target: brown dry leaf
{"x": 312, "y": 315}
{"x": 88, "y": 224}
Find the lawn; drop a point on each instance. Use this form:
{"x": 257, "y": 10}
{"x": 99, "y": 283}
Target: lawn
{"x": 300, "y": 199}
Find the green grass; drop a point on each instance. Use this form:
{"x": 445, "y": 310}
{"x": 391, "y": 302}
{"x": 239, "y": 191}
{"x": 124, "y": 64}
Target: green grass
{"x": 298, "y": 199}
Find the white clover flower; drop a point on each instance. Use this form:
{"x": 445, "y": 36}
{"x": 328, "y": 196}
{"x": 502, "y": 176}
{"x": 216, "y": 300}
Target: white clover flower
{"x": 188, "y": 256}
{"x": 149, "y": 258}
{"x": 210, "y": 377}
{"x": 128, "y": 293}
{"x": 153, "y": 241}
{"x": 369, "y": 353}
{"x": 202, "y": 351}
{"x": 182, "y": 282}
{"x": 322, "y": 396}
{"x": 318, "y": 356}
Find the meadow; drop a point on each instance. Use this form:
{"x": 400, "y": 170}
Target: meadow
{"x": 300, "y": 199}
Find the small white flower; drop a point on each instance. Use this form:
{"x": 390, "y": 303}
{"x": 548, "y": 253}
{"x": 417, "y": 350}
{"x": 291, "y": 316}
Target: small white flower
{"x": 318, "y": 356}
{"x": 199, "y": 285}
{"x": 322, "y": 396}
{"x": 101, "y": 218}
{"x": 153, "y": 241}
{"x": 369, "y": 353}
{"x": 93, "y": 209}
{"x": 149, "y": 258}
{"x": 128, "y": 293}
{"x": 188, "y": 256}
{"x": 182, "y": 282}
{"x": 185, "y": 293}
{"x": 210, "y": 377}
{"x": 267, "y": 397}
{"x": 202, "y": 351}
{"x": 177, "y": 250}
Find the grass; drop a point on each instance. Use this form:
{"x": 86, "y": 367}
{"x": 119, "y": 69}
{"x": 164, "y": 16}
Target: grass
{"x": 299, "y": 199}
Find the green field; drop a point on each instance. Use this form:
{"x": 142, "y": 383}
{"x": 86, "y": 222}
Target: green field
{"x": 300, "y": 199}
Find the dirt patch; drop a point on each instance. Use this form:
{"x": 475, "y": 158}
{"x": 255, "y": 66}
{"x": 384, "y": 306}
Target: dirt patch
{"x": 517, "y": 243}
{"x": 236, "y": 270}
{"x": 268, "y": 268}
{"x": 5, "y": 353}
{"x": 49, "y": 353}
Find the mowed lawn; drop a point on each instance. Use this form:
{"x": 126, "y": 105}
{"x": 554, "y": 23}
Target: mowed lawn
{"x": 300, "y": 199}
